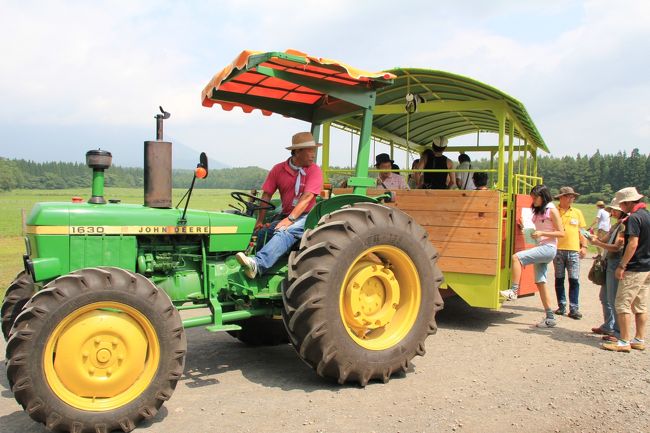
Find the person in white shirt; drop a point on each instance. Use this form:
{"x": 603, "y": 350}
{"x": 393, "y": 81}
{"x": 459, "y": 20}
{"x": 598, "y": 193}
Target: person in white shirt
{"x": 602, "y": 222}
{"x": 386, "y": 179}
{"x": 464, "y": 179}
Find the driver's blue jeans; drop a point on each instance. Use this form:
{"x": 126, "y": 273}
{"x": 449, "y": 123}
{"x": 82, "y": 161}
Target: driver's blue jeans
{"x": 279, "y": 244}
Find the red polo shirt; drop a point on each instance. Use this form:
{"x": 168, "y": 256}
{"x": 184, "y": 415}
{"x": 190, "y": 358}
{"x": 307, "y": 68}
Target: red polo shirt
{"x": 283, "y": 178}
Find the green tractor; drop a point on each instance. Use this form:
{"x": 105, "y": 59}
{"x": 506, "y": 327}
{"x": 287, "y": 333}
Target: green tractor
{"x": 95, "y": 323}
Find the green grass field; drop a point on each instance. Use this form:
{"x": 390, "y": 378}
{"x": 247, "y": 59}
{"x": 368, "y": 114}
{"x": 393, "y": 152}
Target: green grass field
{"x": 12, "y": 203}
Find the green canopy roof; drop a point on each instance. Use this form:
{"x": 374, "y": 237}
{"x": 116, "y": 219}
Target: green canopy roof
{"x": 452, "y": 105}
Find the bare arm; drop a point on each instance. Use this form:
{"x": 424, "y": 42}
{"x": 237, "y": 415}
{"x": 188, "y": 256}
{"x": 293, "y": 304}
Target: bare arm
{"x": 615, "y": 247}
{"x": 262, "y": 212}
{"x": 298, "y": 210}
{"x": 418, "y": 176}
{"x": 632, "y": 244}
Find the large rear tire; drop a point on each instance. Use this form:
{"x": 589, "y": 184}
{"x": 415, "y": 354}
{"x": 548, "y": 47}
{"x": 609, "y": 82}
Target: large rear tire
{"x": 261, "y": 331}
{"x": 362, "y": 293}
{"x": 96, "y": 350}
{"x": 16, "y": 296}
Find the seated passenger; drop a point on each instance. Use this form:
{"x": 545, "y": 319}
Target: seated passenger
{"x": 412, "y": 178}
{"x": 434, "y": 159}
{"x": 480, "y": 179}
{"x": 386, "y": 179}
{"x": 464, "y": 179}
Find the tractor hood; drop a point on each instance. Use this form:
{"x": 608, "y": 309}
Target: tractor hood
{"x": 228, "y": 232}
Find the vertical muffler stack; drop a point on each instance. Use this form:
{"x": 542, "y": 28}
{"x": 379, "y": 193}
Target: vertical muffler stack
{"x": 158, "y": 168}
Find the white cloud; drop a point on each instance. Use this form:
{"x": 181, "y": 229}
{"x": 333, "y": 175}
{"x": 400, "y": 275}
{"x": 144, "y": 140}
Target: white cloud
{"x": 582, "y": 73}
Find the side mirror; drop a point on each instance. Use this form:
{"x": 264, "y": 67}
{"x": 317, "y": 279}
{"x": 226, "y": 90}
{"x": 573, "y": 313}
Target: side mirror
{"x": 202, "y": 167}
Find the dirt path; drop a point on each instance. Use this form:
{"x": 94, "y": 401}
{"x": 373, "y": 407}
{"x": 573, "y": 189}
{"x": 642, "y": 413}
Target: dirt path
{"x": 485, "y": 371}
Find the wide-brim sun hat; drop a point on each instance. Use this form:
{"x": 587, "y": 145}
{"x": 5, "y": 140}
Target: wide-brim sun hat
{"x": 566, "y": 190}
{"x": 627, "y": 194}
{"x": 613, "y": 205}
{"x": 303, "y": 140}
{"x": 600, "y": 203}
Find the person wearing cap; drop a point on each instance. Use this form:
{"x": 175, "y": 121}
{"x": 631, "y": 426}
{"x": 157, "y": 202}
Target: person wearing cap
{"x": 387, "y": 179}
{"x": 601, "y": 222}
{"x": 299, "y": 180}
{"x": 633, "y": 273}
{"x": 434, "y": 159}
{"x": 612, "y": 243}
{"x": 570, "y": 249}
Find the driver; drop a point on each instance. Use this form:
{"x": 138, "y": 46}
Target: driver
{"x": 299, "y": 181}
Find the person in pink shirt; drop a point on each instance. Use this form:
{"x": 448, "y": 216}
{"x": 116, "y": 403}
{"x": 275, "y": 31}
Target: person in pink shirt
{"x": 299, "y": 180}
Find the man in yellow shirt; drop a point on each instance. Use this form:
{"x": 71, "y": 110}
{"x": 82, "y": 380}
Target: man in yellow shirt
{"x": 570, "y": 249}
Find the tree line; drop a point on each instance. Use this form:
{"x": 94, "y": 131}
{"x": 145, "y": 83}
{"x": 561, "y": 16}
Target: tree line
{"x": 22, "y": 174}
{"x": 595, "y": 176}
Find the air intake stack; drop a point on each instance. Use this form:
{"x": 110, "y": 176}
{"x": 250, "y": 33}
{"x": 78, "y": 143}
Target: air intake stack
{"x": 158, "y": 168}
{"x": 99, "y": 160}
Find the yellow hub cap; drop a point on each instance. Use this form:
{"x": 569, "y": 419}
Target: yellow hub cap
{"x": 101, "y": 356}
{"x": 380, "y": 297}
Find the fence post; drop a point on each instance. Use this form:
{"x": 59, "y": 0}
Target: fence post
{"x": 23, "y": 220}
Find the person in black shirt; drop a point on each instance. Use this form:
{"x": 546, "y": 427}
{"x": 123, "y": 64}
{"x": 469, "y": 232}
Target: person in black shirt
{"x": 633, "y": 271}
{"x": 434, "y": 159}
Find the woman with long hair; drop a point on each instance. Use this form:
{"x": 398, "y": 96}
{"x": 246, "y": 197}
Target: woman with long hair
{"x": 612, "y": 243}
{"x": 548, "y": 228}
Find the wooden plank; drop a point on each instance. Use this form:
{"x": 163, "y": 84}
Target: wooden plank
{"x": 477, "y": 236}
{"x": 466, "y": 250}
{"x": 450, "y": 204}
{"x": 468, "y": 266}
{"x": 456, "y": 219}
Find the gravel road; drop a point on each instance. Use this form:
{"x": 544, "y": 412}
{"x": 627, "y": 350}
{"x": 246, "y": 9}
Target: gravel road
{"x": 485, "y": 371}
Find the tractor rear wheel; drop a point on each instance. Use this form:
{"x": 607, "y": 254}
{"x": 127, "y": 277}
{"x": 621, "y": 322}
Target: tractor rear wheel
{"x": 362, "y": 293}
{"x": 16, "y": 296}
{"x": 99, "y": 349}
{"x": 261, "y": 331}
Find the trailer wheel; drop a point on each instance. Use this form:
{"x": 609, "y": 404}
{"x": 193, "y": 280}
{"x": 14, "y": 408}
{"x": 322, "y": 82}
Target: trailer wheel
{"x": 261, "y": 331}
{"x": 99, "y": 349}
{"x": 362, "y": 293}
{"x": 16, "y": 296}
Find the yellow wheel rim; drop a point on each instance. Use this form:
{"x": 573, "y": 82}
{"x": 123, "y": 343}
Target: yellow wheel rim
{"x": 380, "y": 297}
{"x": 101, "y": 356}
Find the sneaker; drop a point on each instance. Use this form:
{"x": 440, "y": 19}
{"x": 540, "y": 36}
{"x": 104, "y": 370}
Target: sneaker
{"x": 615, "y": 347}
{"x": 509, "y": 295}
{"x": 637, "y": 344}
{"x": 575, "y": 314}
{"x": 561, "y": 310}
{"x": 546, "y": 323}
{"x": 248, "y": 264}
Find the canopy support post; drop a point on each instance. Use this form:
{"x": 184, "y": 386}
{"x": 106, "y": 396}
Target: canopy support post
{"x": 325, "y": 161}
{"x": 501, "y": 115}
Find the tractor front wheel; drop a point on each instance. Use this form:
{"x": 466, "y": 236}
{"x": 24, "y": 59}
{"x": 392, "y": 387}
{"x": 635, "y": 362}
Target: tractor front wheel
{"x": 16, "y": 296}
{"x": 362, "y": 293}
{"x": 99, "y": 349}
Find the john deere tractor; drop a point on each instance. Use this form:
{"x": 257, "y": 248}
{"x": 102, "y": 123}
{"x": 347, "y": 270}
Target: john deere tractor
{"x": 95, "y": 322}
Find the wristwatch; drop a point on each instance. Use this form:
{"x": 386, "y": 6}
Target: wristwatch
{"x": 290, "y": 218}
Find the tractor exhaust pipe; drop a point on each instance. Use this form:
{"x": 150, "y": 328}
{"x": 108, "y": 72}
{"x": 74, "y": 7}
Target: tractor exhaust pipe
{"x": 99, "y": 160}
{"x": 158, "y": 168}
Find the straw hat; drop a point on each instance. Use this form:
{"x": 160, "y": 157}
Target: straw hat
{"x": 600, "y": 203}
{"x": 566, "y": 190}
{"x": 627, "y": 194}
{"x": 303, "y": 140}
{"x": 613, "y": 205}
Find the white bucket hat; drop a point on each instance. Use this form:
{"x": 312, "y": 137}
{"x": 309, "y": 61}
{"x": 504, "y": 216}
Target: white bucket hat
{"x": 613, "y": 205}
{"x": 303, "y": 140}
{"x": 627, "y": 194}
{"x": 440, "y": 141}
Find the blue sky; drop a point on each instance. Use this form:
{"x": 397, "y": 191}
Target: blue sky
{"x": 78, "y": 75}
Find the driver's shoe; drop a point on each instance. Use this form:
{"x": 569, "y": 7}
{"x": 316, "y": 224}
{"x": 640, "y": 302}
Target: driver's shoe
{"x": 248, "y": 264}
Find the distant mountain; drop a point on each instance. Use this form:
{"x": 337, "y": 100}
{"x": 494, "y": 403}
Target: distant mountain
{"x": 70, "y": 144}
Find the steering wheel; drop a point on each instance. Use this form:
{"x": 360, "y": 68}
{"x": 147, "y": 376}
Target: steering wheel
{"x": 251, "y": 202}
